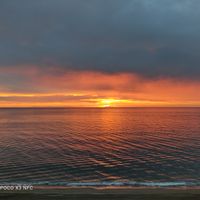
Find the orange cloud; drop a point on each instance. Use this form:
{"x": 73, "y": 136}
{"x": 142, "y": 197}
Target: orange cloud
{"x": 96, "y": 89}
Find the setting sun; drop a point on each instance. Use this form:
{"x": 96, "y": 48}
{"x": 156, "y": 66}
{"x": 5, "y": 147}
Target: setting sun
{"x": 114, "y": 102}
{"x": 108, "y": 102}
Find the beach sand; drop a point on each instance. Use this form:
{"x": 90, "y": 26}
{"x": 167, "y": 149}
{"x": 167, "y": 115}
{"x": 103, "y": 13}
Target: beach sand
{"x": 104, "y": 194}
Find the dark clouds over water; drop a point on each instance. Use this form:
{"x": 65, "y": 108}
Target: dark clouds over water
{"x": 148, "y": 37}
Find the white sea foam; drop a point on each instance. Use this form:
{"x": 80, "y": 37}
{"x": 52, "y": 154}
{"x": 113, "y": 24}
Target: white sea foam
{"x": 112, "y": 183}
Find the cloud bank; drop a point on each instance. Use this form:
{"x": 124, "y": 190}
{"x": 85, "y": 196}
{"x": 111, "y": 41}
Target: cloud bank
{"x": 152, "y": 38}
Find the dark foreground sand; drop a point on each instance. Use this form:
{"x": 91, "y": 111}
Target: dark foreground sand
{"x": 103, "y": 194}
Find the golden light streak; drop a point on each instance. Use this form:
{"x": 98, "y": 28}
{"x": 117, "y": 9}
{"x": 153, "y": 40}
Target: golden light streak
{"x": 142, "y": 103}
{"x": 112, "y": 102}
{"x": 105, "y": 103}
{"x": 39, "y": 94}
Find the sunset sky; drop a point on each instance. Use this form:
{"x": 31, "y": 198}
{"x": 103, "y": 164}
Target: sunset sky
{"x": 99, "y": 53}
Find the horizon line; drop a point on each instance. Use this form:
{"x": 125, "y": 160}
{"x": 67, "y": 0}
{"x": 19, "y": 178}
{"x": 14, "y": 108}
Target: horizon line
{"x": 73, "y": 107}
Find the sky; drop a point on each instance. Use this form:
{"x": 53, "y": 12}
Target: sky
{"x": 99, "y": 53}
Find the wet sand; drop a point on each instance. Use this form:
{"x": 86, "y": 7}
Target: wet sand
{"x": 102, "y": 194}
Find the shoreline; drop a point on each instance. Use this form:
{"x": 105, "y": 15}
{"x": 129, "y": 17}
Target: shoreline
{"x": 103, "y": 193}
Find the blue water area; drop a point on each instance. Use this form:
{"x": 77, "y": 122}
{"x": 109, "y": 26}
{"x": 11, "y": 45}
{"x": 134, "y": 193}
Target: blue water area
{"x": 100, "y": 147}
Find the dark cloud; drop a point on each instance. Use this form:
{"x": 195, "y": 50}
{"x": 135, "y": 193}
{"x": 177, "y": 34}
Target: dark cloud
{"x": 149, "y": 37}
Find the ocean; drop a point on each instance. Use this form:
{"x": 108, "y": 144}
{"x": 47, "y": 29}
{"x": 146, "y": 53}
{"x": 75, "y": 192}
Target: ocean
{"x": 100, "y": 147}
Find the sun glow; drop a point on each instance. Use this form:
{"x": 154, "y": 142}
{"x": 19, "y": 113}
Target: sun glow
{"x": 112, "y": 102}
{"x": 106, "y": 102}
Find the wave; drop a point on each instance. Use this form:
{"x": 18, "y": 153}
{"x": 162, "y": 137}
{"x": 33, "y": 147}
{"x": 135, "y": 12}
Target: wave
{"x": 110, "y": 183}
